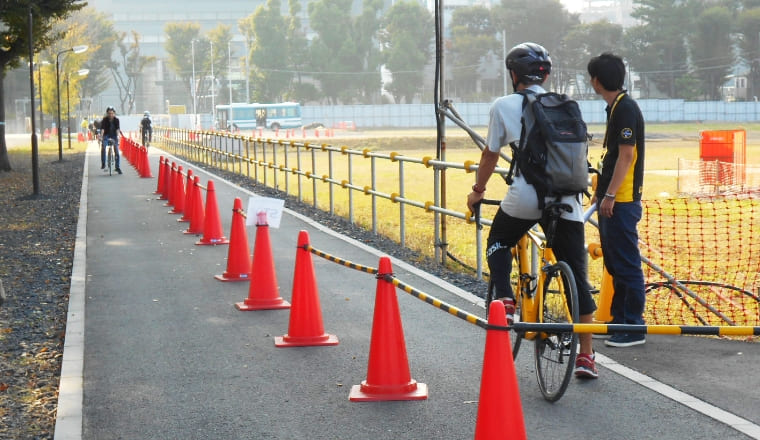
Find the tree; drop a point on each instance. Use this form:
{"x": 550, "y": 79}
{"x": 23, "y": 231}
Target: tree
{"x": 179, "y": 43}
{"x": 657, "y": 48}
{"x": 298, "y": 58}
{"x": 100, "y": 34}
{"x": 72, "y": 33}
{"x": 473, "y": 37}
{"x": 342, "y": 52}
{"x": 749, "y": 44}
{"x": 126, "y": 73}
{"x": 529, "y": 21}
{"x": 406, "y": 42}
{"x": 15, "y": 43}
{"x": 711, "y": 49}
{"x": 270, "y": 73}
{"x": 579, "y": 45}
{"x": 218, "y": 39}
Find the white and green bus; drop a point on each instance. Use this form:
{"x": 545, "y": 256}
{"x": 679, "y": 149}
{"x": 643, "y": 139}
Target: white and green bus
{"x": 252, "y": 116}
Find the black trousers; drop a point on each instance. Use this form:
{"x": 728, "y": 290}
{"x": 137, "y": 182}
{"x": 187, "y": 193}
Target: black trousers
{"x": 569, "y": 246}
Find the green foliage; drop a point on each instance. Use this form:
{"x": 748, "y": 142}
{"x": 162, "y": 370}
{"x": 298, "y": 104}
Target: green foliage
{"x": 270, "y": 73}
{"x": 406, "y": 44}
{"x": 712, "y": 48}
{"x": 178, "y": 44}
{"x": 581, "y": 43}
{"x": 126, "y": 72}
{"x": 101, "y": 37}
{"x": 342, "y": 52}
{"x": 472, "y": 39}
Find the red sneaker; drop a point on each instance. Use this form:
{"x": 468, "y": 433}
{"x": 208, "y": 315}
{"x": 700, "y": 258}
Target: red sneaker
{"x": 509, "y": 308}
{"x": 585, "y": 366}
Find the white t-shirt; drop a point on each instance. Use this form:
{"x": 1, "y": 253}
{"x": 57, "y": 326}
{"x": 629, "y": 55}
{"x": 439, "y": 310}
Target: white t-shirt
{"x": 504, "y": 127}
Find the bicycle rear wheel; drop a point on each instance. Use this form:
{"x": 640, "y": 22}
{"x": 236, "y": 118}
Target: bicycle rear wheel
{"x": 515, "y": 338}
{"x": 555, "y": 352}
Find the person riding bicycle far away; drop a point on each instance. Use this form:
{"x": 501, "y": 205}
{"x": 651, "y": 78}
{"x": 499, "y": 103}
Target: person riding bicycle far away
{"x": 529, "y": 65}
{"x": 110, "y": 129}
{"x": 146, "y": 129}
{"x": 618, "y": 196}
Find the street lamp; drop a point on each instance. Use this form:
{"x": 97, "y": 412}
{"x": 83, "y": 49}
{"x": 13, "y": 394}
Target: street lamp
{"x": 192, "y": 46}
{"x": 213, "y": 104}
{"x": 75, "y": 49}
{"x": 39, "y": 86}
{"x": 229, "y": 78}
{"x": 81, "y": 72}
{"x": 35, "y": 145}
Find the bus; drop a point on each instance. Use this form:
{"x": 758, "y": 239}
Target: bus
{"x": 252, "y": 116}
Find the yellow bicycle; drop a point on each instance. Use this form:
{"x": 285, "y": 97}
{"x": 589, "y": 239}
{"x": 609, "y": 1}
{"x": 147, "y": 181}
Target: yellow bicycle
{"x": 545, "y": 292}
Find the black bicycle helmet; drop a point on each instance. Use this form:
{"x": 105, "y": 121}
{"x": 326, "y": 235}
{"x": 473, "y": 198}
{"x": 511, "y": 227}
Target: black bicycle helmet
{"x": 529, "y": 61}
{"x": 109, "y": 108}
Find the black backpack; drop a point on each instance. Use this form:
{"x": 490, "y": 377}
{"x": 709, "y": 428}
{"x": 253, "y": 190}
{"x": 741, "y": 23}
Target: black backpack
{"x": 553, "y": 150}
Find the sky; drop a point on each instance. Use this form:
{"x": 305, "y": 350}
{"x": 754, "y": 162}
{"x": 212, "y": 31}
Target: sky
{"x": 573, "y": 5}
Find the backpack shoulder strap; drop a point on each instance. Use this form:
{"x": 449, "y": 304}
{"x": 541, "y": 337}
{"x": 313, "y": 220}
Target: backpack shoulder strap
{"x": 509, "y": 178}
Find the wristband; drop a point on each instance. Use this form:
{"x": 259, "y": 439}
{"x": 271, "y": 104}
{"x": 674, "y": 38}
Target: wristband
{"x": 609, "y": 196}
{"x": 478, "y": 189}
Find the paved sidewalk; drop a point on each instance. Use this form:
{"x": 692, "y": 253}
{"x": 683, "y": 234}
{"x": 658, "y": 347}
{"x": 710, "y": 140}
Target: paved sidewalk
{"x": 164, "y": 354}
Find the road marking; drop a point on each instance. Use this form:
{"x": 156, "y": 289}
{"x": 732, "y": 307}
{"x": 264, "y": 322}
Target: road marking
{"x": 738, "y": 423}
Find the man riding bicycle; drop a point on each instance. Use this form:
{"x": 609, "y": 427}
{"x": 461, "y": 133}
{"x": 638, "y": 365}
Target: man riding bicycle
{"x": 146, "y": 129}
{"x": 110, "y": 130}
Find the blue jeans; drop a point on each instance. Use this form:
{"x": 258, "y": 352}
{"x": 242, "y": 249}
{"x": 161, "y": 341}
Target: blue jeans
{"x": 103, "y": 147}
{"x": 620, "y": 246}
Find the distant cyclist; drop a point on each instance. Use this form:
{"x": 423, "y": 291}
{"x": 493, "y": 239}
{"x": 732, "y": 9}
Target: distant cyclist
{"x": 110, "y": 129}
{"x": 146, "y": 129}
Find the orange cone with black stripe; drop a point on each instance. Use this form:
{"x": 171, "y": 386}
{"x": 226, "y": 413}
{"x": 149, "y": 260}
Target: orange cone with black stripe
{"x": 263, "y": 292}
{"x": 499, "y": 392}
{"x": 238, "y": 256}
{"x": 388, "y": 376}
{"x": 305, "y": 328}
{"x": 212, "y": 226}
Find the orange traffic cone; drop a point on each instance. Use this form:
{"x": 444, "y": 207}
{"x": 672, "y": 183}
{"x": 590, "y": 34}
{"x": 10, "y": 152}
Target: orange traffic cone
{"x": 170, "y": 185}
{"x": 188, "y": 211}
{"x": 305, "y": 328}
{"x": 145, "y": 161}
{"x": 198, "y": 217}
{"x": 179, "y": 192}
{"x": 212, "y": 226}
{"x": 238, "y": 256}
{"x": 499, "y": 392}
{"x": 160, "y": 183}
{"x": 388, "y": 376}
{"x": 165, "y": 186}
{"x": 263, "y": 291}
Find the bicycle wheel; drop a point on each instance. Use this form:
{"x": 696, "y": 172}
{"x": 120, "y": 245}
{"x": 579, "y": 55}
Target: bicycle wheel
{"x": 515, "y": 338}
{"x": 555, "y": 352}
{"x": 110, "y": 159}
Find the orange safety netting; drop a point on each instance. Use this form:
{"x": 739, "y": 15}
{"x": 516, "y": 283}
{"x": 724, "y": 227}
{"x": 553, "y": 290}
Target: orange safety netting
{"x": 710, "y": 249}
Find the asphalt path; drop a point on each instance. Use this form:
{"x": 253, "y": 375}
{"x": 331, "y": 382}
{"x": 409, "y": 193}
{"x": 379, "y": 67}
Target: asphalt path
{"x": 155, "y": 348}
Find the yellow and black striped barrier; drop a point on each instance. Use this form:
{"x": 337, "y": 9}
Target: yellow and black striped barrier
{"x": 340, "y": 261}
{"x": 523, "y": 327}
{"x": 640, "y": 329}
